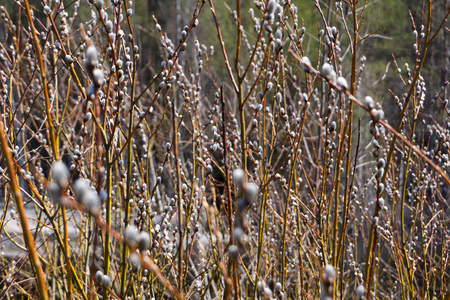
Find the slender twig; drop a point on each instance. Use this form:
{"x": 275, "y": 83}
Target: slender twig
{"x": 222, "y": 46}
{"x": 41, "y": 283}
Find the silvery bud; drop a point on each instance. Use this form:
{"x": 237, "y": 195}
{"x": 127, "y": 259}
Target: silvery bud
{"x": 99, "y": 277}
{"x": 87, "y": 117}
{"x": 144, "y": 241}
{"x": 98, "y": 78}
{"x": 251, "y": 192}
{"x": 379, "y": 173}
{"x": 238, "y": 235}
{"x": 375, "y": 143}
{"x": 54, "y": 192}
{"x": 271, "y": 7}
{"x": 360, "y": 291}
{"x": 106, "y": 281}
{"x": 135, "y": 261}
{"x": 381, "y": 188}
{"x": 342, "y": 83}
{"x": 268, "y": 293}
{"x": 328, "y": 72}
{"x": 329, "y": 274}
{"x": 239, "y": 178}
{"x": 378, "y": 115}
{"x": 91, "y": 92}
{"x": 306, "y": 64}
{"x": 47, "y": 10}
{"x": 278, "y": 287}
{"x": 131, "y": 236}
{"x": 80, "y": 187}
{"x": 260, "y": 286}
{"x": 91, "y": 202}
{"x": 109, "y": 26}
{"x": 91, "y": 58}
{"x": 279, "y": 34}
{"x": 60, "y": 174}
{"x": 99, "y": 4}
{"x": 233, "y": 253}
{"x": 368, "y": 102}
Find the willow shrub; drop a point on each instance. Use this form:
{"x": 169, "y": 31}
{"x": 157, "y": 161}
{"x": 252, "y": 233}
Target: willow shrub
{"x": 277, "y": 175}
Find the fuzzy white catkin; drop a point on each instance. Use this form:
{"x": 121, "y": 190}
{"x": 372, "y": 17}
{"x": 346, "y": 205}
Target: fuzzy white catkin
{"x": 251, "y": 192}
{"x": 270, "y": 16}
{"x": 342, "y": 83}
{"x": 328, "y": 72}
{"x": 92, "y": 202}
{"x": 326, "y": 69}
{"x": 238, "y": 177}
{"x": 98, "y": 277}
{"x": 329, "y": 272}
{"x": 47, "y": 10}
{"x": 99, "y": 4}
{"x": 306, "y": 64}
{"x": 378, "y": 114}
{"x": 368, "y": 102}
{"x": 278, "y": 287}
{"x": 381, "y": 163}
{"x": 238, "y": 234}
{"x": 98, "y": 78}
{"x": 360, "y": 290}
{"x": 144, "y": 241}
{"x": 80, "y": 187}
{"x": 233, "y": 253}
{"x": 91, "y": 57}
{"x": 106, "y": 281}
{"x": 268, "y": 293}
{"x": 87, "y": 117}
{"x": 60, "y": 174}
{"x": 131, "y": 236}
{"x": 271, "y": 6}
{"x": 54, "y": 192}
{"x": 109, "y": 26}
{"x": 260, "y": 286}
{"x": 135, "y": 261}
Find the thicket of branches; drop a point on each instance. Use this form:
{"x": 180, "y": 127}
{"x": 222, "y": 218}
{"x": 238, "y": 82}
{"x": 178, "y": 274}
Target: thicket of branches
{"x": 262, "y": 168}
